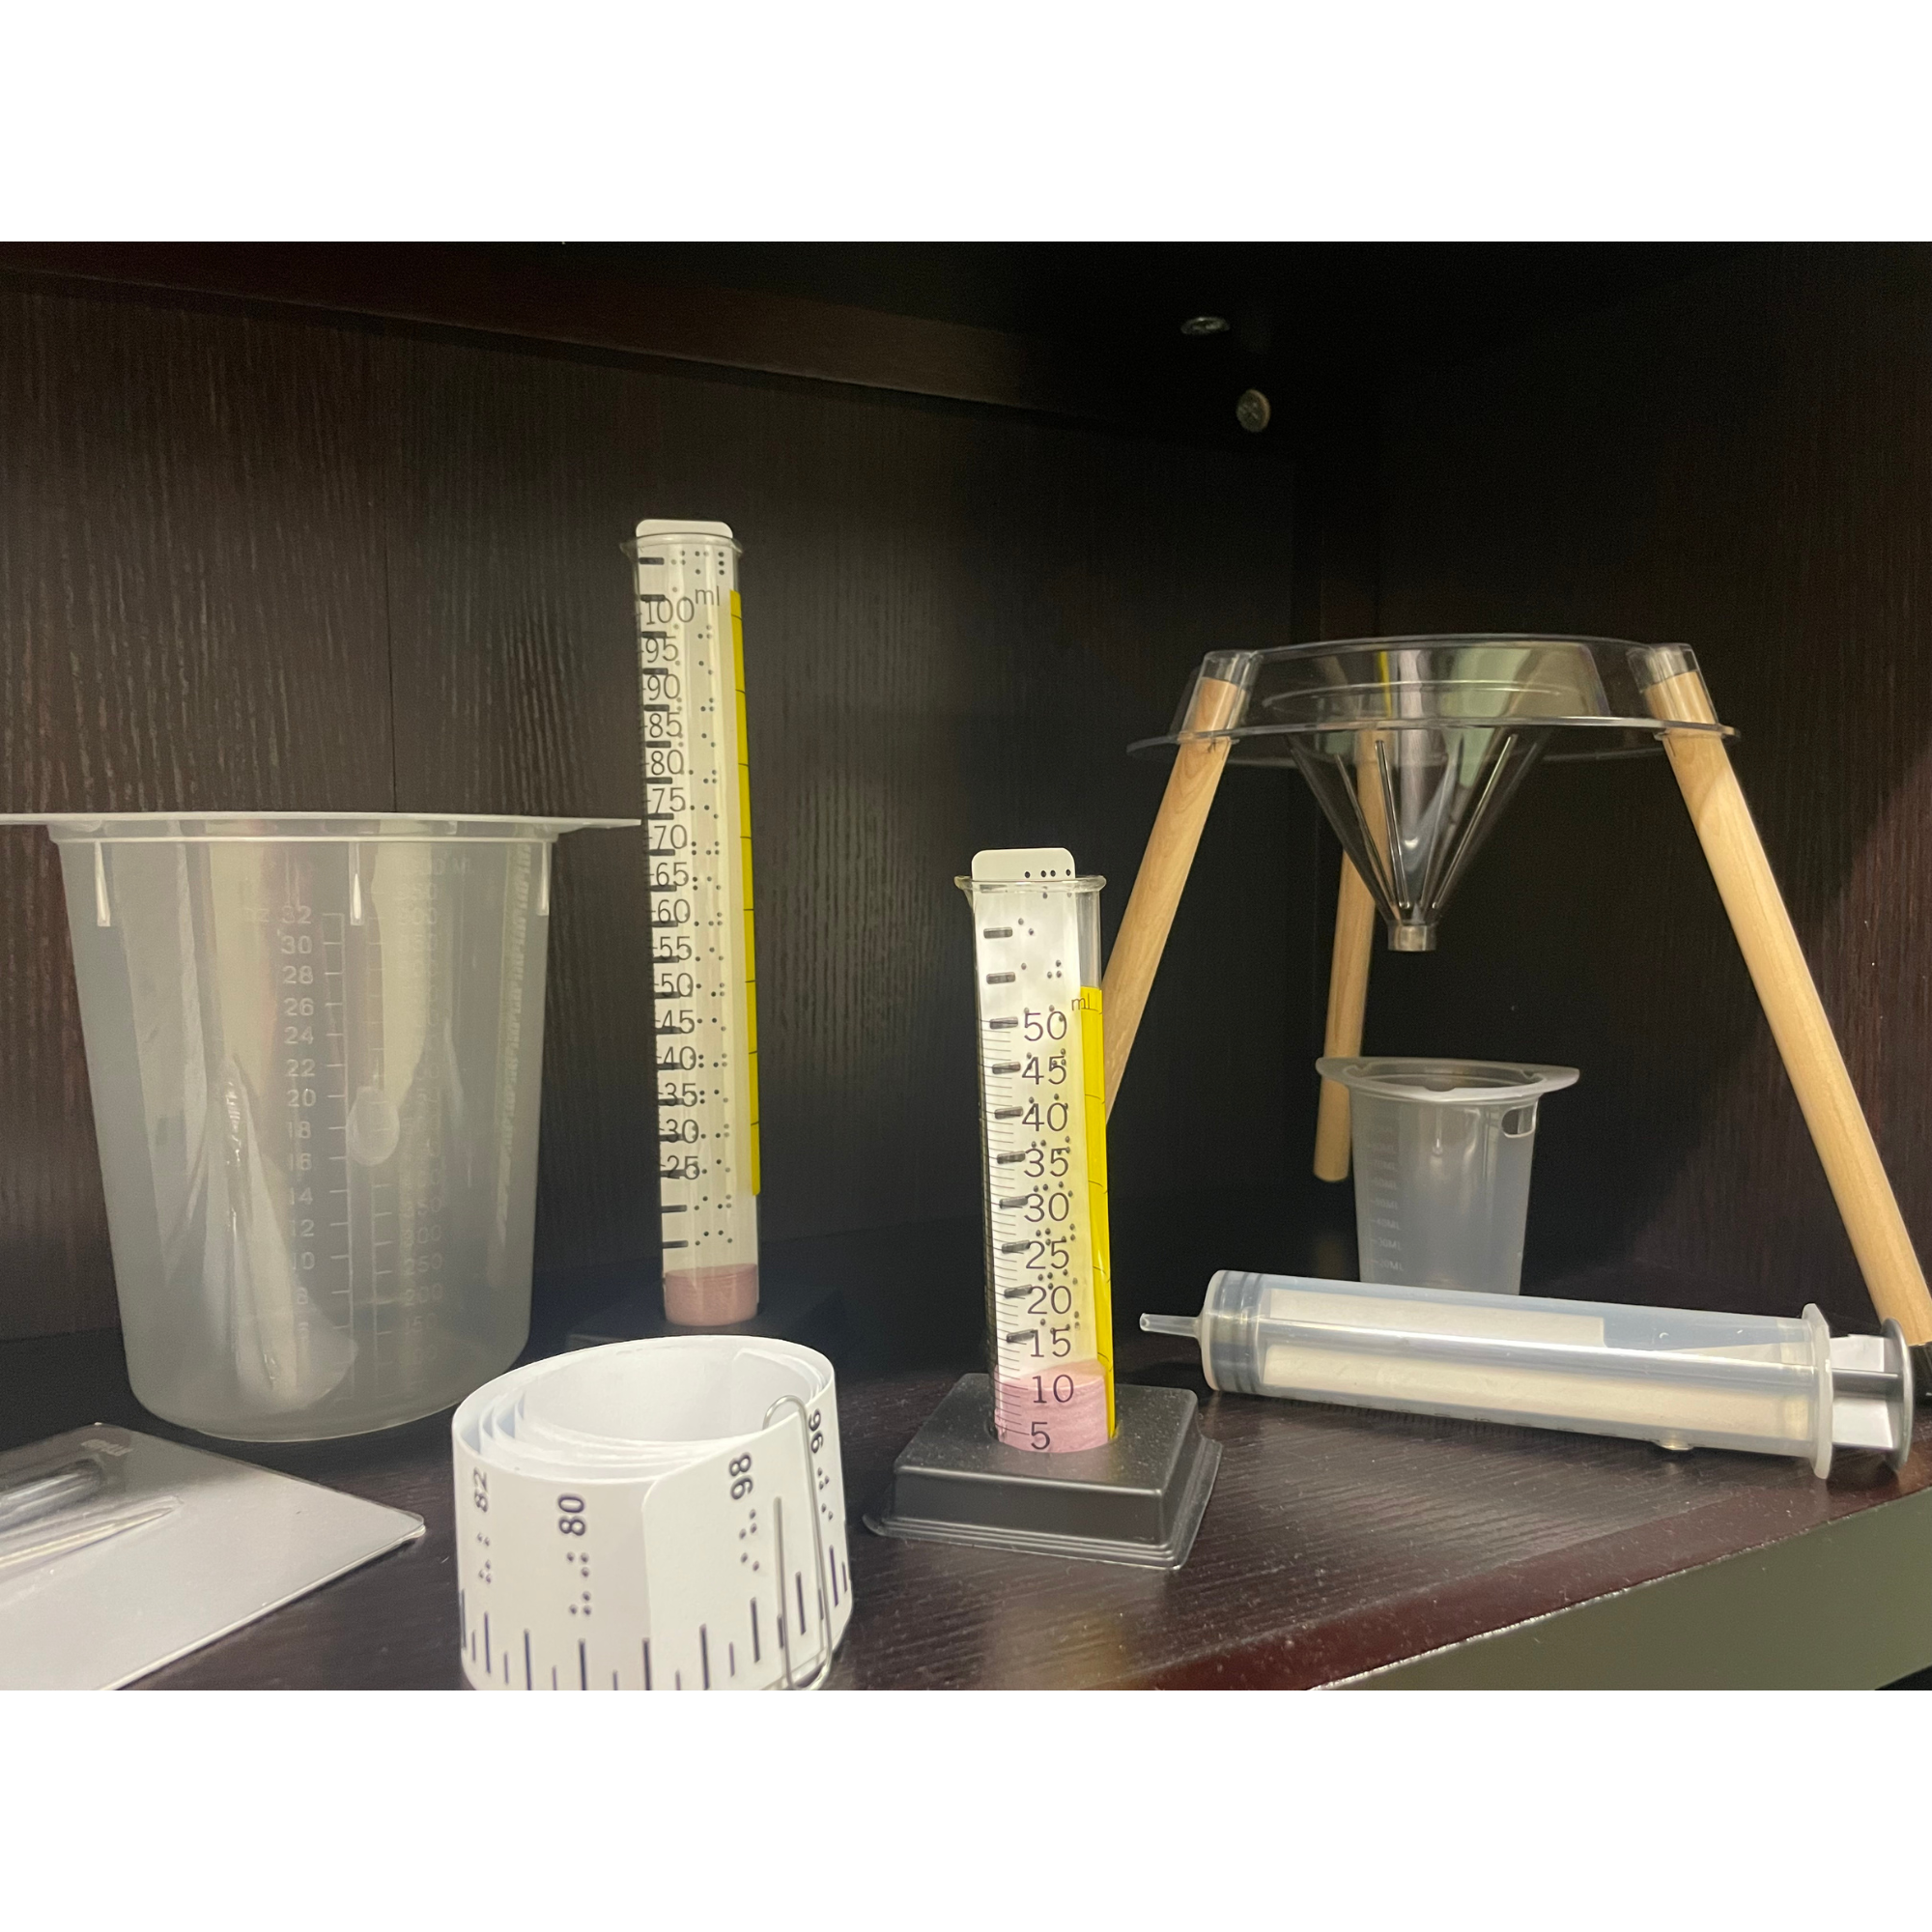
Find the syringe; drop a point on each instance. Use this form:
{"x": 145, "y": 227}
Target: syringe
{"x": 1676, "y": 1376}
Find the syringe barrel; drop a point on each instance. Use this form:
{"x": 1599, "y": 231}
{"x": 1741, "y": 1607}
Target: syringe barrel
{"x": 1683, "y": 1378}
{"x": 1231, "y": 1350}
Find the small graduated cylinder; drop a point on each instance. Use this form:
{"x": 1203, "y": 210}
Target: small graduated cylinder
{"x": 1675, "y": 1377}
{"x": 1043, "y": 1147}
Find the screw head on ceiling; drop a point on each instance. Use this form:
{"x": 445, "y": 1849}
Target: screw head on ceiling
{"x": 1252, "y": 411}
{"x": 1204, "y": 324}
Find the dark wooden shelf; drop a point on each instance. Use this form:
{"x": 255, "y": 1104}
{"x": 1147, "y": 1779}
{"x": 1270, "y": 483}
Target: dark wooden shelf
{"x": 1340, "y": 1546}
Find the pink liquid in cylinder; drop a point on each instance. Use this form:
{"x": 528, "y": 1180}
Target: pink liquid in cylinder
{"x": 711, "y": 1298}
{"x": 1054, "y": 1411}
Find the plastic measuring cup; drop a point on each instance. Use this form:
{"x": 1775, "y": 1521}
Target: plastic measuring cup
{"x": 1443, "y": 1150}
{"x": 314, "y": 1043}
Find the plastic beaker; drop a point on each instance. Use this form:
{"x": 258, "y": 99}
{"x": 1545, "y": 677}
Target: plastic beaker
{"x": 1442, "y": 1154}
{"x": 314, "y": 1043}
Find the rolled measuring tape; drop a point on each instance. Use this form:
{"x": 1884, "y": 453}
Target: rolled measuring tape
{"x": 653, "y": 1516}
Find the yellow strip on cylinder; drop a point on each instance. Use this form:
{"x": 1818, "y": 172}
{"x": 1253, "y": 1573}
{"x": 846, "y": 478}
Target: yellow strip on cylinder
{"x": 1094, "y": 1091}
{"x": 745, "y": 852}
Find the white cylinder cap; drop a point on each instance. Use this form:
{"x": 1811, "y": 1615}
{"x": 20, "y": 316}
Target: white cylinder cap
{"x": 683, "y": 527}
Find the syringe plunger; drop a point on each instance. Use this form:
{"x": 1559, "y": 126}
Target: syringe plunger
{"x": 1678, "y": 1377}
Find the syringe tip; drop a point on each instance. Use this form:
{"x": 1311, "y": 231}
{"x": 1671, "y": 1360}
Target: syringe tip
{"x": 1171, "y": 1324}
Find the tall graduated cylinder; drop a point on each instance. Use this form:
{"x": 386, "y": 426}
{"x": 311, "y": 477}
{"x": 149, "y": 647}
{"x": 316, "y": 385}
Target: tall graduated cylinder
{"x": 315, "y": 1045}
{"x": 698, "y": 810}
{"x": 1043, "y": 1147}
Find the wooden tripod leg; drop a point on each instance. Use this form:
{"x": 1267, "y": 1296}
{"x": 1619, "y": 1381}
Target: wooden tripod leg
{"x": 1347, "y": 1004}
{"x": 1790, "y": 1000}
{"x": 1164, "y": 868}
{"x": 1349, "y": 976}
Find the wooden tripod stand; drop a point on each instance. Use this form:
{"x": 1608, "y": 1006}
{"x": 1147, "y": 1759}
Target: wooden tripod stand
{"x": 1736, "y": 856}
